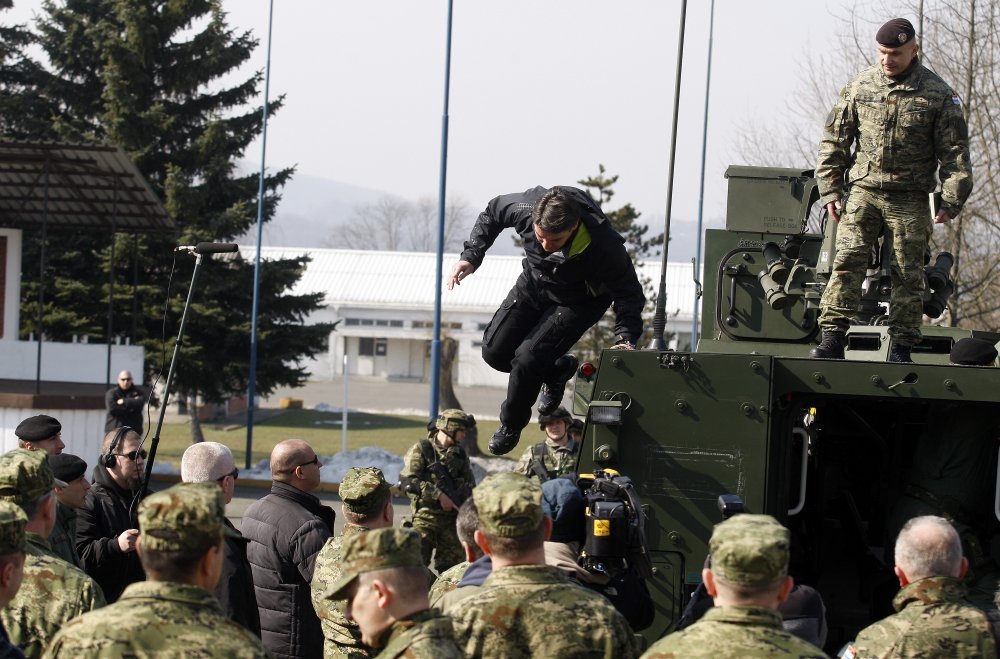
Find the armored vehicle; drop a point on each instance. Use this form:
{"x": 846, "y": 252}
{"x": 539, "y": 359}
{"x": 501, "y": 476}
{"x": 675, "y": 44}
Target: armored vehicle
{"x": 840, "y": 451}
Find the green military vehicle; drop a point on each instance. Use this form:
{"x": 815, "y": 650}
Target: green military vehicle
{"x": 840, "y": 451}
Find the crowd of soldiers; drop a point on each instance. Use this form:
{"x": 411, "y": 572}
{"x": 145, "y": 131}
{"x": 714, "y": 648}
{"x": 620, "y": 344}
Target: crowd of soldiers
{"x": 510, "y": 582}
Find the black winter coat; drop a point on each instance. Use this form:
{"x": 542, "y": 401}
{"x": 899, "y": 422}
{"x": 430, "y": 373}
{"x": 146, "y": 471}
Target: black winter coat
{"x": 127, "y": 414}
{"x": 286, "y": 530}
{"x": 593, "y": 267}
{"x": 235, "y": 590}
{"x": 102, "y": 518}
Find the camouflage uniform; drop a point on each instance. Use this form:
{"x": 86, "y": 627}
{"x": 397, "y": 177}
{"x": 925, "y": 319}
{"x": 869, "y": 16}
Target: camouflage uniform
{"x": 435, "y": 525}
{"x": 447, "y": 581}
{"x": 12, "y": 541}
{"x": 362, "y": 491}
{"x": 751, "y": 552}
{"x": 63, "y": 536}
{"x": 160, "y": 618}
{"x": 933, "y": 620}
{"x": 425, "y": 634}
{"x": 557, "y": 460}
{"x": 533, "y": 610}
{"x": 904, "y": 129}
{"x": 53, "y": 591}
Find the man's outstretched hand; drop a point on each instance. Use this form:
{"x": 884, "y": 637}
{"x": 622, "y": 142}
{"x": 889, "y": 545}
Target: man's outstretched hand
{"x": 460, "y": 271}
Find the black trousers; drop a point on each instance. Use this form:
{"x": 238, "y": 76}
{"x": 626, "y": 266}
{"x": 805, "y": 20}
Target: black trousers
{"x": 527, "y": 335}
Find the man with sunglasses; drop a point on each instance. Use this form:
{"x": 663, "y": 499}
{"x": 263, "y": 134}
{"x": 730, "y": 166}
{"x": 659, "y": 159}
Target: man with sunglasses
{"x": 286, "y": 529}
{"x": 124, "y": 403}
{"x": 212, "y": 462}
{"x": 106, "y": 529}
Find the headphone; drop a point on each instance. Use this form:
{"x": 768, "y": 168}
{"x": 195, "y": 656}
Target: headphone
{"x": 109, "y": 459}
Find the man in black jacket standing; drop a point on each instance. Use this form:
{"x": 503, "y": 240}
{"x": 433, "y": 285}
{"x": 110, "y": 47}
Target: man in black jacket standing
{"x": 286, "y": 530}
{"x": 575, "y": 267}
{"x": 106, "y": 530}
{"x": 212, "y": 462}
{"x": 124, "y": 403}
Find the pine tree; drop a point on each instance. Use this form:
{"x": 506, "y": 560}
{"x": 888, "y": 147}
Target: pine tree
{"x": 21, "y": 113}
{"x": 147, "y": 75}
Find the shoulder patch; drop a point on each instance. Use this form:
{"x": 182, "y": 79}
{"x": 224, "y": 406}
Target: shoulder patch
{"x": 956, "y": 100}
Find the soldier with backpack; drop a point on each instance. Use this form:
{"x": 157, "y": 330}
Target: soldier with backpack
{"x": 554, "y": 457}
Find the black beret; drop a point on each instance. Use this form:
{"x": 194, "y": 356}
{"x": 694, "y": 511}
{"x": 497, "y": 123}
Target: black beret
{"x": 973, "y": 352}
{"x": 37, "y": 428}
{"x": 895, "y": 33}
{"x": 67, "y": 467}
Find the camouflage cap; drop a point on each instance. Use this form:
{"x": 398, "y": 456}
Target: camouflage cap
{"x": 509, "y": 504}
{"x": 12, "y": 523}
{"x": 26, "y": 475}
{"x": 187, "y": 516}
{"x": 364, "y": 490}
{"x": 451, "y": 420}
{"x": 380, "y": 549}
{"x": 750, "y": 550}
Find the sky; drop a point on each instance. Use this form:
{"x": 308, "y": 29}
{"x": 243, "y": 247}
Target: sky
{"x": 540, "y": 93}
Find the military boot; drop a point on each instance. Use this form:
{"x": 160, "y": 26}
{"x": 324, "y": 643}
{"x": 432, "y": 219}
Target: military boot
{"x": 504, "y": 440}
{"x": 552, "y": 393}
{"x": 900, "y": 353}
{"x": 831, "y": 347}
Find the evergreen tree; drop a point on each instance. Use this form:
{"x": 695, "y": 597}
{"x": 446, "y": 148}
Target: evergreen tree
{"x": 21, "y": 113}
{"x": 639, "y": 245}
{"x": 147, "y": 75}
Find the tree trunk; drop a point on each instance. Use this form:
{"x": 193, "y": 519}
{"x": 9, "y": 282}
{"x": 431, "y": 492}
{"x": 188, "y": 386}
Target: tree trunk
{"x": 446, "y": 392}
{"x": 196, "y": 434}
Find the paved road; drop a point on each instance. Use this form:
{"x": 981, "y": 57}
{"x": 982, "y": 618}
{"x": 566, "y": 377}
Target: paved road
{"x": 246, "y": 495}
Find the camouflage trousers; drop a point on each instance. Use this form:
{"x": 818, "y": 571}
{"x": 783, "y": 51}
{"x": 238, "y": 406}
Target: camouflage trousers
{"x": 437, "y": 532}
{"x": 905, "y": 216}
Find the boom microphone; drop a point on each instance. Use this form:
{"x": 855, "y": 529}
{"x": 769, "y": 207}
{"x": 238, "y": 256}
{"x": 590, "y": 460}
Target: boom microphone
{"x": 209, "y": 248}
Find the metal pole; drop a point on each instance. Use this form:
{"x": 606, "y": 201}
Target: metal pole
{"x": 111, "y": 282}
{"x": 41, "y": 283}
{"x": 343, "y": 410}
{"x": 438, "y": 273}
{"x": 660, "y": 315}
{"x": 701, "y": 189}
{"x": 252, "y": 379}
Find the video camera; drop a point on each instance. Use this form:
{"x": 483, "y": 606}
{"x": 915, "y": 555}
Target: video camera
{"x": 616, "y": 534}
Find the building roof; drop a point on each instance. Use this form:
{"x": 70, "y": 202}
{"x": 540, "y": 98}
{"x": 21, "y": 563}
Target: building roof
{"x": 76, "y": 186}
{"x": 359, "y": 278}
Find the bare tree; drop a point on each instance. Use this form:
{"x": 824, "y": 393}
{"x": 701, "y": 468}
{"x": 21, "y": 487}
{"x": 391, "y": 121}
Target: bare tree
{"x": 395, "y": 224}
{"x": 422, "y": 230}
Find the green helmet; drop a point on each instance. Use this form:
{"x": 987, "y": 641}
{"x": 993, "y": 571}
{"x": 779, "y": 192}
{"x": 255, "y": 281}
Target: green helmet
{"x": 451, "y": 421}
{"x": 559, "y": 414}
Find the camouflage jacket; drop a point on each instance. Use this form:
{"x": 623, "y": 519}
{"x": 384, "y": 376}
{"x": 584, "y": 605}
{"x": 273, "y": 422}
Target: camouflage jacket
{"x": 894, "y": 134}
{"x": 447, "y": 581}
{"x": 534, "y": 610}
{"x": 933, "y": 620}
{"x": 63, "y": 536}
{"x": 341, "y": 637}
{"x": 454, "y": 459}
{"x": 557, "y": 460}
{"x": 53, "y": 593}
{"x": 425, "y": 635}
{"x": 734, "y": 632}
{"x": 157, "y": 619}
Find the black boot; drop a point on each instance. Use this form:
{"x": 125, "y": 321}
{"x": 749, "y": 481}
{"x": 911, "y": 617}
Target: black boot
{"x": 552, "y": 394}
{"x": 831, "y": 347}
{"x": 504, "y": 440}
{"x": 900, "y": 354}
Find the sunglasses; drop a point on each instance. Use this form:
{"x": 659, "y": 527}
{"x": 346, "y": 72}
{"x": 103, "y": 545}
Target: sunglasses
{"x": 235, "y": 473}
{"x": 314, "y": 461}
{"x": 132, "y": 455}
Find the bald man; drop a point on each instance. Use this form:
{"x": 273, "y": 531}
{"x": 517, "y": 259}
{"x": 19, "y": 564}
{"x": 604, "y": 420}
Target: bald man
{"x": 286, "y": 530}
{"x": 124, "y": 403}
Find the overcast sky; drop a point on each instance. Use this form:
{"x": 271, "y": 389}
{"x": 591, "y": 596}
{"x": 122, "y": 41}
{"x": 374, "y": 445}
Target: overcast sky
{"x": 541, "y": 91}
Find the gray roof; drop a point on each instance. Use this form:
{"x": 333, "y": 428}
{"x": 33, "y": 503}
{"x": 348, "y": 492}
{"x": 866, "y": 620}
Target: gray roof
{"x": 359, "y": 278}
{"x": 76, "y": 186}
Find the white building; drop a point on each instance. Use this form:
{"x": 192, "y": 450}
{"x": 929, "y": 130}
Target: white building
{"x": 385, "y": 302}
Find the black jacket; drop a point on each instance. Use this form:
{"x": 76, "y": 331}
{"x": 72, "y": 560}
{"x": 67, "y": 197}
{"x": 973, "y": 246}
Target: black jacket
{"x": 286, "y": 530}
{"x": 235, "y": 589}
{"x": 593, "y": 266}
{"x": 128, "y": 413}
{"x": 102, "y": 518}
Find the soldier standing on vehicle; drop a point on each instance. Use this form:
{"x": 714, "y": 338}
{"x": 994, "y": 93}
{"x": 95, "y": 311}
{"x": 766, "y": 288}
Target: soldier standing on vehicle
{"x": 575, "y": 267}
{"x": 895, "y": 127}
{"x": 933, "y": 618}
{"x": 554, "y": 457}
{"x": 437, "y": 476}
{"x": 748, "y": 580}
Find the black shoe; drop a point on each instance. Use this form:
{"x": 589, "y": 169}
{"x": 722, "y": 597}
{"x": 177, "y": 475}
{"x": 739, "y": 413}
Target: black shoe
{"x": 504, "y": 440}
{"x": 552, "y": 394}
{"x": 831, "y": 347}
{"x": 900, "y": 354}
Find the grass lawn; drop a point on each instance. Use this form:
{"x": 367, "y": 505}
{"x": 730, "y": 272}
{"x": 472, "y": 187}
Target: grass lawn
{"x": 321, "y": 429}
